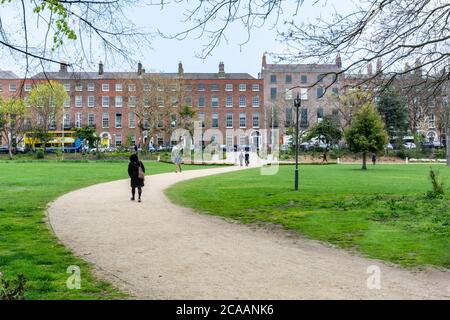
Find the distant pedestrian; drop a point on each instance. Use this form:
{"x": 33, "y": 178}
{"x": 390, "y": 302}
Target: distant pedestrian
{"x": 177, "y": 158}
{"x": 374, "y": 158}
{"x": 241, "y": 158}
{"x": 247, "y": 158}
{"x": 136, "y": 171}
{"x": 324, "y": 157}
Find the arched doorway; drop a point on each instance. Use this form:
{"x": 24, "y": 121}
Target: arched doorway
{"x": 105, "y": 139}
{"x": 432, "y": 136}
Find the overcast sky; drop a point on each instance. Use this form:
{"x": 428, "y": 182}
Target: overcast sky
{"x": 165, "y": 54}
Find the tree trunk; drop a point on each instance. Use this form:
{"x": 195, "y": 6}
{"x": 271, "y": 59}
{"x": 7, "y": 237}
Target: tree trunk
{"x": 447, "y": 137}
{"x": 364, "y": 167}
{"x": 10, "y": 155}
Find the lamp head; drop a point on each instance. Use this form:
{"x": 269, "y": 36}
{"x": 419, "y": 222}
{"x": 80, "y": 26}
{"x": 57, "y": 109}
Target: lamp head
{"x": 297, "y": 101}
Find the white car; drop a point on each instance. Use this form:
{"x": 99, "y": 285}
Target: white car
{"x": 409, "y": 145}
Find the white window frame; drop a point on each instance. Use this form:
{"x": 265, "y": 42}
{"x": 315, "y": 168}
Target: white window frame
{"x": 118, "y": 99}
{"x": 105, "y": 87}
{"x": 91, "y": 114}
{"x": 227, "y": 117}
{"x": 78, "y": 101}
{"x": 253, "y": 120}
{"x": 132, "y": 104}
{"x": 242, "y": 116}
{"x": 66, "y": 119}
{"x": 67, "y": 102}
{"x": 229, "y": 87}
{"x": 103, "y": 102}
{"x": 79, "y": 120}
{"x": 105, "y": 117}
{"x": 245, "y": 101}
{"x": 118, "y": 138}
{"x": 131, "y": 120}
{"x": 242, "y": 87}
{"x": 116, "y": 123}
{"x": 218, "y": 101}
{"x": 89, "y": 101}
{"x": 229, "y": 101}
{"x": 119, "y": 87}
{"x": 91, "y": 87}
{"x": 254, "y": 99}
{"x": 255, "y": 87}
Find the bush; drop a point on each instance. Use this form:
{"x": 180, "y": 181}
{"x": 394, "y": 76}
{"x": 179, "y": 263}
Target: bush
{"x": 40, "y": 154}
{"x": 441, "y": 153}
{"x": 437, "y": 186}
{"x": 12, "y": 289}
{"x": 59, "y": 154}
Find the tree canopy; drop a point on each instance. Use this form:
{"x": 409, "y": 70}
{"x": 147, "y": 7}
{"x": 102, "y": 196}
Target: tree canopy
{"x": 366, "y": 132}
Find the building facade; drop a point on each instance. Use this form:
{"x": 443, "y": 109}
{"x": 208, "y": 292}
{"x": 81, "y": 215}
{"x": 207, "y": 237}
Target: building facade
{"x": 139, "y": 107}
{"x": 314, "y": 83}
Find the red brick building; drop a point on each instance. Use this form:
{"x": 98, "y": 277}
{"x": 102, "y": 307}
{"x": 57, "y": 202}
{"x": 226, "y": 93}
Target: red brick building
{"x": 108, "y": 101}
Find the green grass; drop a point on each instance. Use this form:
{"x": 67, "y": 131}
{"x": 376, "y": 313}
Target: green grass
{"x": 27, "y": 245}
{"x": 381, "y": 212}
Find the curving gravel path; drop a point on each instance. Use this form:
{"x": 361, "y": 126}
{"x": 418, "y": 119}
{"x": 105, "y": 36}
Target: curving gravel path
{"x": 157, "y": 250}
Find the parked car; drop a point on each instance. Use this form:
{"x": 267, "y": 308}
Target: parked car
{"x": 409, "y": 145}
{"x": 3, "y": 149}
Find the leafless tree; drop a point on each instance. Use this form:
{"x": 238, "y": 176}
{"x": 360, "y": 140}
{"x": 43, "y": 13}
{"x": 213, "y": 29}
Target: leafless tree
{"x": 155, "y": 102}
{"x": 45, "y": 31}
{"x": 390, "y": 32}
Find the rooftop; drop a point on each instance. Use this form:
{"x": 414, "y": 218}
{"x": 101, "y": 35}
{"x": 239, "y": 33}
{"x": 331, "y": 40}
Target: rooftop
{"x": 319, "y": 68}
{"x": 8, "y": 75}
{"x": 134, "y": 75}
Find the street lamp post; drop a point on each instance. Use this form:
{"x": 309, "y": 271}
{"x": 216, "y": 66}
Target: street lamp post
{"x": 297, "y": 105}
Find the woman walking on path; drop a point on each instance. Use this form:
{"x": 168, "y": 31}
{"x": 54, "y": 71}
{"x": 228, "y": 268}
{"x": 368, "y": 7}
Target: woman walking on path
{"x": 136, "y": 171}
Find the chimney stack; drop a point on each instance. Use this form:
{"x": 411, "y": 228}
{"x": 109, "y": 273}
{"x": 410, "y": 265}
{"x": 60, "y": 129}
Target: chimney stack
{"x": 100, "y": 68}
{"x": 63, "y": 66}
{"x": 180, "y": 69}
{"x": 369, "y": 69}
{"x": 264, "y": 61}
{"x": 221, "y": 70}
{"x": 338, "y": 61}
{"x": 418, "y": 67}
{"x": 139, "y": 68}
{"x": 379, "y": 66}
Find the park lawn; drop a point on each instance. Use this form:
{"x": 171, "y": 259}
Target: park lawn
{"x": 382, "y": 212}
{"x": 27, "y": 245}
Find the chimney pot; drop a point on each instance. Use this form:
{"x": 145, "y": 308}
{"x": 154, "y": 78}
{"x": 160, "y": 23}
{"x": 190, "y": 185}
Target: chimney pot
{"x": 221, "y": 70}
{"x": 379, "y": 65}
{"x": 100, "y": 68}
{"x": 180, "y": 69}
{"x": 63, "y": 66}
{"x": 139, "y": 68}
{"x": 338, "y": 61}
{"x": 369, "y": 69}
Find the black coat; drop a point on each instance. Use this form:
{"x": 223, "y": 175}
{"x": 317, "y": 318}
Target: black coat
{"x": 133, "y": 172}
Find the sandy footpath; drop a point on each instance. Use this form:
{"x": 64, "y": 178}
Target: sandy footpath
{"x": 157, "y": 250}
